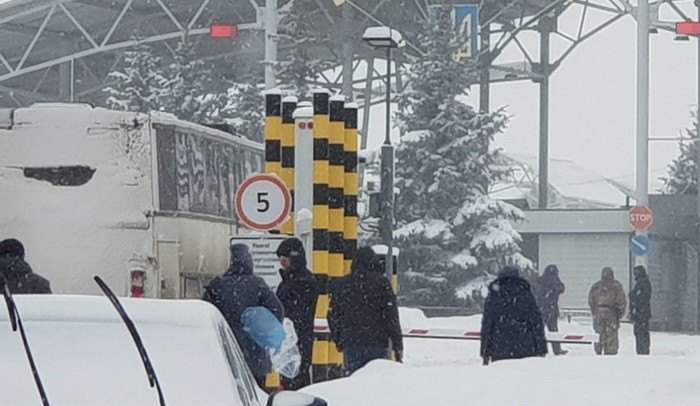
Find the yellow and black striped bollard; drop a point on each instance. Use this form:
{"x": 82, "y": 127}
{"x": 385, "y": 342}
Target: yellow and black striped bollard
{"x": 351, "y": 186}
{"x": 336, "y": 204}
{"x": 273, "y": 164}
{"x": 321, "y": 123}
{"x": 289, "y": 104}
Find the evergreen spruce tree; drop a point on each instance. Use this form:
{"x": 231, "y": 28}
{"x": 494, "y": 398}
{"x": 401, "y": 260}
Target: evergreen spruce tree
{"x": 450, "y": 230}
{"x": 245, "y": 108}
{"x": 140, "y": 85}
{"x": 682, "y": 173}
{"x": 298, "y": 32}
{"x": 192, "y": 95}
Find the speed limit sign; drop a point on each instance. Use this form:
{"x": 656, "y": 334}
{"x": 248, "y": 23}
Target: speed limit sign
{"x": 263, "y": 202}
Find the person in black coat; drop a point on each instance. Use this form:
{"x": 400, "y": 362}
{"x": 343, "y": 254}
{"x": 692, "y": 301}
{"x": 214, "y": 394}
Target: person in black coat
{"x": 234, "y": 292}
{"x": 511, "y": 326}
{"x": 548, "y": 289}
{"x": 298, "y": 292}
{"x": 364, "y": 319}
{"x": 17, "y": 272}
{"x": 640, "y": 309}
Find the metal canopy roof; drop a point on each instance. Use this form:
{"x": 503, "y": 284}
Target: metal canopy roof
{"x": 64, "y": 49}
{"x": 41, "y": 40}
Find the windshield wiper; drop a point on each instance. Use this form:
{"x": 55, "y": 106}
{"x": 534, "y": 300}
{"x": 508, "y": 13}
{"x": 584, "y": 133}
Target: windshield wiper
{"x": 152, "y": 378}
{"x": 16, "y": 322}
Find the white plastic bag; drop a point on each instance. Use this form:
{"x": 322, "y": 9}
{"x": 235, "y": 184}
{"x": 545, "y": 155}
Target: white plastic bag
{"x": 287, "y": 360}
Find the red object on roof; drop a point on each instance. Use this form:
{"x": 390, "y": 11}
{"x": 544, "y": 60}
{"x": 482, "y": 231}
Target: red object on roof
{"x": 691, "y": 28}
{"x": 223, "y": 31}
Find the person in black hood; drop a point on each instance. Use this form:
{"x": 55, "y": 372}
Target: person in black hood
{"x": 19, "y": 275}
{"x": 234, "y": 292}
{"x": 640, "y": 309}
{"x": 547, "y": 291}
{"x": 364, "y": 317}
{"x": 512, "y": 325}
{"x": 298, "y": 292}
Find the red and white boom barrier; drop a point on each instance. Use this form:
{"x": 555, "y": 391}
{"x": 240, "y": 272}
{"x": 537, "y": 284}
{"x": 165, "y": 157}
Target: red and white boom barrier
{"x": 458, "y": 334}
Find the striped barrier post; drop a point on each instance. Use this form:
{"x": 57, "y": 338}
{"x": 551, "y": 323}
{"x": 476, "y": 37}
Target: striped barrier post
{"x": 273, "y": 164}
{"x": 288, "y": 139}
{"x": 336, "y": 204}
{"x": 350, "y": 186}
{"x": 273, "y": 140}
{"x": 321, "y": 123}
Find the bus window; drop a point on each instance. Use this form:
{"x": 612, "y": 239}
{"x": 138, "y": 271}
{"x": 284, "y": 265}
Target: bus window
{"x": 199, "y": 173}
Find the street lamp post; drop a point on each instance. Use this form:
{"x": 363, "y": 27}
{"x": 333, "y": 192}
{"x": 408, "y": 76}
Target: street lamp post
{"x": 387, "y": 38}
{"x": 642, "y": 192}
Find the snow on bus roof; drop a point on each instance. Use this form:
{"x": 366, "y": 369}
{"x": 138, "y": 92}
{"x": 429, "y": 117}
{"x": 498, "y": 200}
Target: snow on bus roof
{"x": 99, "y": 114}
{"x": 75, "y": 308}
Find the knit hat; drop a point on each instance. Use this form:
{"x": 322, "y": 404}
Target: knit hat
{"x": 639, "y": 272}
{"x": 293, "y": 249}
{"x": 509, "y": 271}
{"x": 607, "y": 273}
{"x": 241, "y": 258}
{"x": 366, "y": 260}
{"x": 11, "y": 248}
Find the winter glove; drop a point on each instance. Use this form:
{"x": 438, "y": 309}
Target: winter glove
{"x": 398, "y": 355}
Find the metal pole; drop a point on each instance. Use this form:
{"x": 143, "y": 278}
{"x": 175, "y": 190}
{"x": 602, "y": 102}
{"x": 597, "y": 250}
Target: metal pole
{"x": 543, "y": 183}
{"x": 348, "y": 53}
{"x": 304, "y": 172}
{"x": 270, "y": 43}
{"x": 642, "y": 111}
{"x": 72, "y": 80}
{"x": 387, "y": 178}
{"x": 64, "y": 77}
{"x": 484, "y": 76}
{"x": 697, "y": 167}
{"x": 387, "y": 134}
{"x": 368, "y": 103}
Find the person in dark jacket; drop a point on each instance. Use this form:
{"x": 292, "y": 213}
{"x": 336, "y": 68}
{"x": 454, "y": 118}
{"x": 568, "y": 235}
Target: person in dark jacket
{"x": 234, "y": 292}
{"x": 17, "y": 272}
{"x": 364, "y": 319}
{"x": 548, "y": 289}
{"x": 298, "y": 292}
{"x": 640, "y": 309}
{"x": 512, "y": 325}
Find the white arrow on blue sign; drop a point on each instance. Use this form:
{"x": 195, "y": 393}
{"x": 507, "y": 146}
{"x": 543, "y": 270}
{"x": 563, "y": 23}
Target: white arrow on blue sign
{"x": 641, "y": 246}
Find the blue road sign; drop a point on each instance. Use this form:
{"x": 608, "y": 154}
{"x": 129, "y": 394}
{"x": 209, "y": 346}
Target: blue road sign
{"x": 465, "y": 20}
{"x": 641, "y": 246}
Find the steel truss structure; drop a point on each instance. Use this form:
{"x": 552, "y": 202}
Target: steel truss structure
{"x": 64, "y": 49}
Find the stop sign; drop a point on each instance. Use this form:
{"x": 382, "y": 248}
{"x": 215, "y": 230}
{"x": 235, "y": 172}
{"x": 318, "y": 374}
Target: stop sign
{"x": 641, "y": 218}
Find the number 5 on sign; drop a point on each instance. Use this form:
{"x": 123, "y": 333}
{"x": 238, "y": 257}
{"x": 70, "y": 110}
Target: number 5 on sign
{"x": 263, "y": 202}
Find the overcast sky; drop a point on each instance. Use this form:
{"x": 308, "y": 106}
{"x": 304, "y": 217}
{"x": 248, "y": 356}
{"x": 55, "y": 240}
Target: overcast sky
{"x": 593, "y": 100}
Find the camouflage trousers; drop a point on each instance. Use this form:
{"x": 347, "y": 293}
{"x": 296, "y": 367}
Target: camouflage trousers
{"x": 608, "y": 343}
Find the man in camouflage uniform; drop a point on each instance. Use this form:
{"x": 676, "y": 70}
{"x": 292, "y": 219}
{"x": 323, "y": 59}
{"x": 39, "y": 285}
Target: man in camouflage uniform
{"x": 608, "y": 303}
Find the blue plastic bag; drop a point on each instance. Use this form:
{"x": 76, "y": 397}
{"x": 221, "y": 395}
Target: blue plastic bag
{"x": 264, "y": 328}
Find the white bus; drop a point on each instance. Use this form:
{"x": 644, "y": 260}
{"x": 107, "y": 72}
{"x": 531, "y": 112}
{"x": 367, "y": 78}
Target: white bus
{"x": 143, "y": 200}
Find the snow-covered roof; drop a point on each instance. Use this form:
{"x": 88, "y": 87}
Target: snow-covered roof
{"x": 571, "y": 185}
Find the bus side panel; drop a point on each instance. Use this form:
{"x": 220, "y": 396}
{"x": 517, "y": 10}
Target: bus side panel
{"x": 76, "y": 187}
{"x": 190, "y": 252}
{"x": 198, "y": 172}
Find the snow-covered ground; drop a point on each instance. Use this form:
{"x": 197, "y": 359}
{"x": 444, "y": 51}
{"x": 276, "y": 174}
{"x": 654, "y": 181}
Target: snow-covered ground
{"x": 449, "y": 372}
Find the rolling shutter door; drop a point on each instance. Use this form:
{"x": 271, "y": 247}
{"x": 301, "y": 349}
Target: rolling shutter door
{"x": 580, "y": 258}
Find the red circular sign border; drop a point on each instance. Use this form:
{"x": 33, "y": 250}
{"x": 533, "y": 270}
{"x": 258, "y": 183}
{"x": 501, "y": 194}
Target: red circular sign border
{"x": 287, "y": 201}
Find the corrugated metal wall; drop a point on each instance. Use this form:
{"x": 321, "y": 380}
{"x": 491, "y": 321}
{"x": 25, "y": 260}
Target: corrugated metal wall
{"x": 673, "y": 272}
